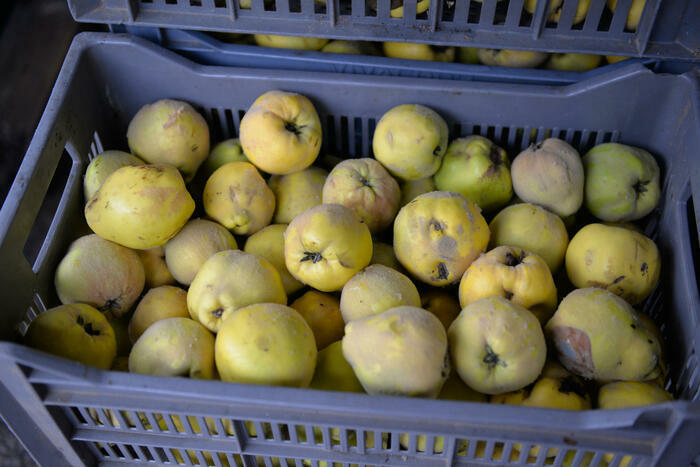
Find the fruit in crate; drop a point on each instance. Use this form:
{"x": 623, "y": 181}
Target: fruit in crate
{"x": 187, "y": 251}
{"x": 402, "y": 351}
{"x": 104, "y": 165}
{"x": 512, "y": 58}
{"x": 442, "y": 304}
{"x": 230, "y": 280}
{"x": 351, "y": 47}
{"x": 383, "y": 253}
{"x": 100, "y": 273}
{"x": 414, "y": 51}
{"x": 634, "y": 14}
{"x": 268, "y": 243}
{"x": 514, "y": 274}
{"x": 573, "y": 62}
{"x": 454, "y": 389}
{"x": 396, "y": 7}
{"x": 374, "y": 290}
{"x": 410, "y": 141}
{"x": 497, "y": 346}
{"x": 326, "y": 245}
{"x": 412, "y": 188}
{"x": 364, "y": 186}
{"x": 140, "y": 207}
{"x": 468, "y": 55}
{"x": 438, "y": 235}
{"x": 229, "y": 150}
{"x": 322, "y": 312}
{"x": 615, "y": 58}
{"x": 622, "y": 182}
{"x": 237, "y": 197}
{"x": 76, "y": 331}
{"x": 654, "y": 329}
{"x": 174, "y": 347}
{"x": 281, "y": 133}
{"x": 333, "y": 372}
{"x": 297, "y": 192}
{"x": 266, "y": 343}
{"x": 533, "y": 229}
{"x": 620, "y": 260}
{"x": 170, "y": 132}
{"x": 623, "y": 394}
{"x": 159, "y": 303}
{"x": 477, "y": 169}
{"x": 155, "y": 267}
{"x": 555, "y": 8}
{"x": 289, "y": 42}
{"x": 600, "y": 336}
{"x": 120, "y": 326}
{"x": 550, "y": 174}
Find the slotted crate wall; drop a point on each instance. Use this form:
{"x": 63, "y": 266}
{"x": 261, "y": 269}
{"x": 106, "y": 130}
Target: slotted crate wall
{"x": 69, "y": 414}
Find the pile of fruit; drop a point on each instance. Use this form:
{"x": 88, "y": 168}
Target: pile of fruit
{"x": 396, "y": 282}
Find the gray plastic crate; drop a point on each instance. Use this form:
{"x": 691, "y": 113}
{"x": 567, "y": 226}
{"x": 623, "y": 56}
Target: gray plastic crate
{"x": 668, "y": 29}
{"x": 69, "y": 414}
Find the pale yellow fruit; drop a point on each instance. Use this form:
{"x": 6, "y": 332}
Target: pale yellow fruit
{"x": 159, "y": 303}
{"x": 615, "y": 58}
{"x": 322, "y": 312}
{"x": 634, "y": 15}
{"x": 654, "y": 329}
{"x": 100, "y": 273}
{"x": 442, "y": 304}
{"x": 229, "y": 150}
{"x": 170, "y": 132}
{"x": 198, "y": 240}
{"x": 383, "y": 253}
{"x": 155, "y": 268}
{"x": 410, "y": 141}
{"x": 454, "y": 389}
{"x": 598, "y": 335}
{"x": 230, "y": 280}
{"x": 625, "y": 262}
{"x": 573, "y": 62}
{"x": 237, "y": 197}
{"x": 468, "y": 55}
{"x": 374, "y": 290}
{"x": 174, "y": 347}
{"x": 512, "y": 58}
{"x": 512, "y": 273}
{"x": 77, "y": 332}
{"x": 555, "y": 7}
{"x": 351, "y": 47}
{"x": 281, "y": 133}
{"x": 297, "y": 192}
{"x": 289, "y": 42}
{"x": 412, "y": 188}
{"x": 104, "y": 165}
{"x": 438, "y": 235}
{"x": 326, "y": 245}
{"x": 402, "y": 351}
{"x": 140, "y": 207}
{"x": 623, "y": 394}
{"x": 497, "y": 346}
{"x": 333, "y": 372}
{"x": 415, "y": 51}
{"x": 364, "y": 186}
{"x": 266, "y": 343}
{"x": 268, "y": 243}
{"x": 533, "y": 229}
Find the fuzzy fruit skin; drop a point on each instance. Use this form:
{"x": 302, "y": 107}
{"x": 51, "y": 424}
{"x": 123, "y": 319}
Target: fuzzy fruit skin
{"x": 237, "y": 197}
{"x": 187, "y": 251}
{"x": 289, "y": 42}
{"x": 573, "y": 62}
{"x": 230, "y": 280}
{"x": 170, "y": 132}
{"x": 514, "y": 274}
{"x": 281, "y": 132}
{"x": 364, "y": 186}
{"x": 477, "y": 169}
{"x": 497, "y": 346}
{"x": 442, "y": 304}
{"x": 383, "y": 253}
{"x": 598, "y": 335}
{"x": 623, "y": 394}
{"x": 100, "y": 273}
{"x": 634, "y": 15}
{"x": 159, "y": 303}
{"x": 511, "y": 58}
{"x": 412, "y": 188}
{"x": 155, "y": 267}
{"x": 297, "y": 192}
{"x": 104, "y": 165}
{"x": 174, "y": 347}
{"x": 266, "y": 343}
{"x": 622, "y": 182}
{"x": 402, "y": 351}
{"x": 618, "y": 259}
{"x": 550, "y": 174}
{"x": 77, "y": 332}
{"x": 374, "y": 290}
{"x": 410, "y": 141}
{"x": 322, "y": 312}
{"x": 140, "y": 207}
{"x": 438, "y": 235}
{"x": 533, "y": 229}
{"x": 229, "y": 150}
{"x": 413, "y": 51}
{"x": 333, "y": 372}
{"x": 268, "y": 243}
{"x": 326, "y": 245}
{"x": 555, "y": 8}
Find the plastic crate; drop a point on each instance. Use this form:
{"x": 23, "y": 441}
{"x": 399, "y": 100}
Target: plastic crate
{"x": 69, "y": 414}
{"x": 669, "y": 29}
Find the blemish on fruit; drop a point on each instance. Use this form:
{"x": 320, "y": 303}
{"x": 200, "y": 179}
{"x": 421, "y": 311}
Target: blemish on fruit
{"x": 437, "y": 225}
{"x": 633, "y": 326}
{"x": 311, "y": 256}
{"x": 443, "y": 273}
{"x": 617, "y": 280}
{"x": 571, "y": 384}
{"x": 436, "y": 151}
{"x": 644, "y": 269}
{"x": 508, "y": 294}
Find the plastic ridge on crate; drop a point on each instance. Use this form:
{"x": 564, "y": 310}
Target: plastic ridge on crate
{"x": 669, "y": 29}
{"x": 70, "y": 414}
